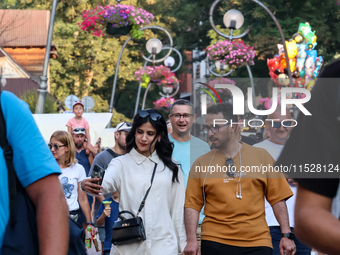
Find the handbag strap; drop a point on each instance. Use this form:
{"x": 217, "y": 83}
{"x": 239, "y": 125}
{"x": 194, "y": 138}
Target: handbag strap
{"x": 12, "y": 178}
{"x": 147, "y": 192}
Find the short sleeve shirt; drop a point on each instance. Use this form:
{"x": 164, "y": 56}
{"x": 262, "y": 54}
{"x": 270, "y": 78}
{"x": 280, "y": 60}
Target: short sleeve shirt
{"x": 69, "y": 180}
{"x": 31, "y": 157}
{"x": 109, "y": 221}
{"x": 73, "y": 123}
{"x": 229, "y": 220}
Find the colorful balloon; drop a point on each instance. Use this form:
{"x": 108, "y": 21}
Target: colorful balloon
{"x": 319, "y": 63}
{"x": 301, "y": 58}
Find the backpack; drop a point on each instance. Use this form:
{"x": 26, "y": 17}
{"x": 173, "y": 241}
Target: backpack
{"x": 21, "y": 234}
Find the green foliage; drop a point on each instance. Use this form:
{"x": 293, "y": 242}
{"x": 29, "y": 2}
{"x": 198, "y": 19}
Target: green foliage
{"x": 31, "y": 97}
{"x": 117, "y": 118}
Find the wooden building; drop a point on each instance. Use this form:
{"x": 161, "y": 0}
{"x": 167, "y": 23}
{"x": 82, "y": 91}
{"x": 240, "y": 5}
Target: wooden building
{"x": 23, "y": 36}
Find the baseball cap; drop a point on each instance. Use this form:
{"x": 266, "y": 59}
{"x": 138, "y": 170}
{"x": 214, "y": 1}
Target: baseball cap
{"x": 78, "y": 102}
{"x": 79, "y": 130}
{"x": 123, "y": 126}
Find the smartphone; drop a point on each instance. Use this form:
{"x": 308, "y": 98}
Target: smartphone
{"x": 98, "y": 172}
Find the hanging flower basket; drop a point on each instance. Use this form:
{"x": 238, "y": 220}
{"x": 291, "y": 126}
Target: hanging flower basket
{"x": 232, "y": 53}
{"x": 110, "y": 30}
{"x": 161, "y": 75}
{"x": 110, "y": 18}
{"x": 164, "y": 103}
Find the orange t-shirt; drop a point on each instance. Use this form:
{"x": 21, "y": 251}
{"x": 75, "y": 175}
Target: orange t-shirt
{"x": 229, "y": 220}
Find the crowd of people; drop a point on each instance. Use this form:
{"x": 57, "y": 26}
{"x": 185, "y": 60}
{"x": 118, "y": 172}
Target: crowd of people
{"x": 166, "y": 179}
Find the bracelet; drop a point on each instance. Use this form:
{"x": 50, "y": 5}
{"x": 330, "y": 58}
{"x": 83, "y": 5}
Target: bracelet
{"x": 89, "y": 223}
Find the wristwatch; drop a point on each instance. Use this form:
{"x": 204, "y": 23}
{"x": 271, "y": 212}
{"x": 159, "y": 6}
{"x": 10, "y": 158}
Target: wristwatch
{"x": 89, "y": 223}
{"x": 288, "y": 235}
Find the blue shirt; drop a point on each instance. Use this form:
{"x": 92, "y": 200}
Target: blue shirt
{"x": 186, "y": 153}
{"x": 31, "y": 157}
{"x": 109, "y": 221}
{"x": 83, "y": 159}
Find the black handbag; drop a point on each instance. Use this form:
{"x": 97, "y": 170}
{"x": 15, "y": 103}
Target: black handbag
{"x": 130, "y": 230}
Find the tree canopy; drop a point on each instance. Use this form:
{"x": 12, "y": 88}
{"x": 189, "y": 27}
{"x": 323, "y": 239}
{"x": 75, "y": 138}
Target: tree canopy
{"x": 87, "y": 63}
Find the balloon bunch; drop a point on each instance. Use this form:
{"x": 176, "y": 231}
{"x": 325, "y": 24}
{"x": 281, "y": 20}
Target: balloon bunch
{"x": 304, "y": 63}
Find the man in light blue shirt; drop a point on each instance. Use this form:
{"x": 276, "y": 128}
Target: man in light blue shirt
{"x": 187, "y": 147}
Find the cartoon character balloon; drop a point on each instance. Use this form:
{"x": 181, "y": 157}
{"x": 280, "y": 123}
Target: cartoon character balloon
{"x": 301, "y": 58}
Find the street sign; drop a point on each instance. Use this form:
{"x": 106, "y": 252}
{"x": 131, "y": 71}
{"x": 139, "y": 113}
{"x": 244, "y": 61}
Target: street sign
{"x": 69, "y": 101}
{"x": 88, "y": 103}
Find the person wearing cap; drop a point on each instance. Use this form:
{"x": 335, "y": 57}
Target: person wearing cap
{"x": 79, "y": 121}
{"x": 103, "y": 159}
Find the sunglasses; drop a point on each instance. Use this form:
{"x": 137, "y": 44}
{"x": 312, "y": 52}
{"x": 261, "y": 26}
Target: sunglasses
{"x": 127, "y": 123}
{"x": 78, "y": 129}
{"x": 229, "y": 162}
{"x": 55, "y": 146}
{"x": 154, "y": 115}
{"x": 277, "y": 124}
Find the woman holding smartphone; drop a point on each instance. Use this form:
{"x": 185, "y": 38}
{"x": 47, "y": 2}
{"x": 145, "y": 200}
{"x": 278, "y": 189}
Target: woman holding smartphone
{"x": 148, "y": 148}
{"x": 62, "y": 147}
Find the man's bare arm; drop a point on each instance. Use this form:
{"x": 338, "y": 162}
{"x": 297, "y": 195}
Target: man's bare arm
{"x": 313, "y": 216}
{"x": 52, "y": 215}
{"x": 281, "y": 215}
{"x": 191, "y": 217}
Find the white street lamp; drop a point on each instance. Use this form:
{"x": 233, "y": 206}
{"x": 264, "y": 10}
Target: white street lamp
{"x": 233, "y": 19}
{"x": 154, "y": 46}
{"x": 169, "y": 61}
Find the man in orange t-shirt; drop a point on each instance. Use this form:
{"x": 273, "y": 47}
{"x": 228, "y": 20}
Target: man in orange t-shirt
{"x": 230, "y": 183}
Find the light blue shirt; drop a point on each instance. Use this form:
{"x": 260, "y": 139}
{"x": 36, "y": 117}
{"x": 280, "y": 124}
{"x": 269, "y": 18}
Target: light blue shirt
{"x": 186, "y": 153}
{"x": 31, "y": 157}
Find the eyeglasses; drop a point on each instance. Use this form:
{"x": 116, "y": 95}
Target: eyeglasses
{"x": 277, "y": 124}
{"x": 153, "y": 115}
{"x": 178, "y": 115}
{"x": 214, "y": 130}
{"x": 80, "y": 129}
{"x": 55, "y": 146}
{"x": 229, "y": 162}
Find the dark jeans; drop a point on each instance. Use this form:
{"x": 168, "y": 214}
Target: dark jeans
{"x": 214, "y": 248}
{"x": 301, "y": 249}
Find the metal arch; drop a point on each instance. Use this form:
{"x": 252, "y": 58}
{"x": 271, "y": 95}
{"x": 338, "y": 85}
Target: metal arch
{"x": 216, "y": 74}
{"x": 146, "y": 92}
{"x": 271, "y": 15}
{"x": 170, "y": 48}
{"x": 180, "y": 58}
{"x": 230, "y": 37}
{"x": 120, "y": 56}
{"x": 174, "y": 70}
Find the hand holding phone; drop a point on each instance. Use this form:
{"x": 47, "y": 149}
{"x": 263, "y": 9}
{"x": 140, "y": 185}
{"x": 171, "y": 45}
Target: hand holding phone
{"x": 98, "y": 172}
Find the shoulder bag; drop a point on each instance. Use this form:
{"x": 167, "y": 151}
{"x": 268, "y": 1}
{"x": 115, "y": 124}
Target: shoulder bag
{"x": 130, "y": 230}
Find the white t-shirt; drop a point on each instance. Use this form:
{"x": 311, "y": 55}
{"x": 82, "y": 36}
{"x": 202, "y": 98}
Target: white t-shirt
{"x": 275, "y": 150}
{"x": 69, "y": 178}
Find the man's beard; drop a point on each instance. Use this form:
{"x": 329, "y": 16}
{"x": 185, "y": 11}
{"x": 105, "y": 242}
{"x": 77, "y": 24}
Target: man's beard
{"x": 78, "y": 145}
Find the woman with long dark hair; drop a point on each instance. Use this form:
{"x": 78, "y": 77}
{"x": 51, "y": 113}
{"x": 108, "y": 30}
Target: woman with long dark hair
{"x": 148, "y": 146}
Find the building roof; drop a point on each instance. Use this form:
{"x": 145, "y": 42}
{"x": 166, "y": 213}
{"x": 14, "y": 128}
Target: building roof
{"x": 20, "y": 86}
{"x": 22, "y": 28}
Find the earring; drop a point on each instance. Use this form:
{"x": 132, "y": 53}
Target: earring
{"x": 159, "y": 140}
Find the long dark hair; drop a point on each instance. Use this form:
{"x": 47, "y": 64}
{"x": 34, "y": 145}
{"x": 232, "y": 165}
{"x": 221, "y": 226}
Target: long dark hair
{"x": 163, "y": 148}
